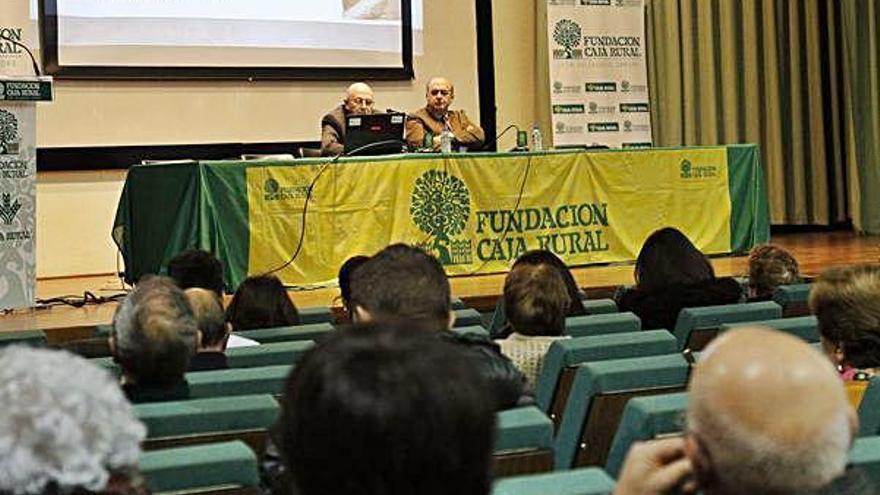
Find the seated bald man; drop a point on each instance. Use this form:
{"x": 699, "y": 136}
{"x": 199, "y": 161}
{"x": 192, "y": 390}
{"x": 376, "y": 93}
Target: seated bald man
{"x": 436, "y": 116}
{"x": 358, "y": 100}
{"x": 767, "y": 415}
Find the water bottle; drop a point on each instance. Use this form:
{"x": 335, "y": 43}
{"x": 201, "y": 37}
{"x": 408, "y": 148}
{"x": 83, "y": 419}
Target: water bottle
{"x": 446, "y": 141}
{"x": 537, "y": 138}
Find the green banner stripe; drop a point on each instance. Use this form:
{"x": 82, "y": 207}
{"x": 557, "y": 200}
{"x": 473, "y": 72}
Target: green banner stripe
{"x": 749, "y": 213}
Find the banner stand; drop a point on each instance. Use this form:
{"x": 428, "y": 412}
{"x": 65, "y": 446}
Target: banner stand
{"x": 18, "y": 167}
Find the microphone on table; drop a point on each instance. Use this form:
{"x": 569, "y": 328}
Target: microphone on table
{"x": 522, "y": 140}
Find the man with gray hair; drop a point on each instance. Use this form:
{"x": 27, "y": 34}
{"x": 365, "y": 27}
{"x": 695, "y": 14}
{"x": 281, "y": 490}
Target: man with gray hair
{"x": 358, "y": 100}
{"x": 65, "y": 428}
{"x": 154, "y": 336}
{"x": 767, "y": 415}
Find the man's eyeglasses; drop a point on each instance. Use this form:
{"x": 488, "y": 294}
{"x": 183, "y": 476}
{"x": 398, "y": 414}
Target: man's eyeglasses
{"x": 362, "y": 102}
{"x": 437, "y": 92}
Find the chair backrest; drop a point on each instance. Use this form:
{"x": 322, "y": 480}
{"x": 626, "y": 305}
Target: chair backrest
{"x": 793, "y": 299}
{"x": 523, "y": 442}
{"x": 869, "y": 409}
{"x": 457, "y": 303}
{"x": 474, "y": 329}
{"x": 593, "y": 307}
{"x": 228, "y": 467}
{"x": 646, "y": 418}
{"x": 468, "y": 317}
{"x": 285, "y": 334}
{"x": 695, "y": 327}
{"x": 586, "y": 481}
{"x": 245, "y": 381}
{"x": 199, "y": 421}
{"x": 267, "y": 354}
{"x": 865, "y": 456}
{"x": 598, "y": 395}
{"x": 583, "y": 326}
{"x": 804, "y": 327}
{"x": 316, "y": 314}
{"x": 558, "y": 368}
{"x": 33, "y": 338}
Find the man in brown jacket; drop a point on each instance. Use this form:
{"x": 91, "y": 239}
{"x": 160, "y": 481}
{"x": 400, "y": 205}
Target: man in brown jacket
{"x": 358, "y": 100}
{"x": 436, "y": 116}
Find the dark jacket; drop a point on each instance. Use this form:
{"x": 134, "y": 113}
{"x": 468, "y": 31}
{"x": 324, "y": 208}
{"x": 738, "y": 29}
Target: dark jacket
{"x": 139, "y": 394}
{"x": 659, "y": 309}
{"x": 208, "y": 361}
{"x": 333, "y": 132}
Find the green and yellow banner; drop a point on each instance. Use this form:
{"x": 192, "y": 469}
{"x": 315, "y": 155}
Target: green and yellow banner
{"x": 478, "y": 213}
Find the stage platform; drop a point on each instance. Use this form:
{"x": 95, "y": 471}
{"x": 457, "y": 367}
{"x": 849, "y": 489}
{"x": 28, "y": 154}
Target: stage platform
{"x": 814, "y": 252}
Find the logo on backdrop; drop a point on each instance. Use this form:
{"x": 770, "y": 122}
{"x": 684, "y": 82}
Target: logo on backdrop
{"x": 568, "y": 35}
{"x": 441, "y": 206}
{"x": 560, "y": 88}
{"x": 273, "y": 191}
{"x": 8, "y": 209}
{"x": 10, "y": 142}
{"x": 689, "y": 171}
{"x": 563, "y": 128}
{"x": 600, "y": 87}
{"x": 627, "y": 87}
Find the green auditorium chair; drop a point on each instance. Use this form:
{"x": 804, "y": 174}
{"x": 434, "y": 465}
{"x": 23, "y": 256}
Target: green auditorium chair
{"x": 646, "y": 418}
{"x": 599, "y": 392}
{"x": 523, "y": 442}
{"x": 585, "y": 481}
{"x": 245, "y": 381}
{"x": 314, "y": 331}
{"x": 474, "y": 330}
{"x": 696, "y": 327}
{"x": 593, "y": 307}
{"x": 267, "y": 354}
{"x": 584, "y": 326}
{"x": 468, "y": 318}
{"x": 220, "y": 468}
{"x": 804, "y": 327}
{"x": 33, "y": 338}
{"x": 457, "y": 303}
{"x": 793, "y": 299}
{"x": 869, "y": 410}
{"x": 559, "y": 365}
{"x": 318, "y": 314}
{"x": 200, "y": 421}
{"x": 865, "y": 456}
{"x": 103, "y": 330}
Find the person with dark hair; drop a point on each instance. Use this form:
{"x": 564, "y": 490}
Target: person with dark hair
{"x": 153, "y": 338}
{"x": 672, "y": 274}
{"x": 261, "y": 302}
{"x": 544, "y": 257}
{"x": 846, "y": 302}
{"x": 197, "y": 268}
{"x": 386, "y": 410}
{"x": 535, "y": 300}
{"x": 770, "y": 267}
{"x": 402, "y": 283}
{"x": 213, "y": 330}
{"x": 345, "y": 273}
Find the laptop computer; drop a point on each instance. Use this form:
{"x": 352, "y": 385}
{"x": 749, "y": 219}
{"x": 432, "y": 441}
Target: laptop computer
{"x": 383, "y": 129}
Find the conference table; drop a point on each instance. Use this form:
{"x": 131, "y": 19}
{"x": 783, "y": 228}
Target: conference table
{"x": 301, "y": 219}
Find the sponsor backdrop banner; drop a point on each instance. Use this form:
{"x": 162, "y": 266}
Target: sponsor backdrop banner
{"x": 598, "y": 73}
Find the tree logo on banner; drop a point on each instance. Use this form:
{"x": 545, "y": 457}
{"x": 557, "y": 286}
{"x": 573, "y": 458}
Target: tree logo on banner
{"x": 568, "y": 35}
{"x": 440, "y": 207}
{"x": 8, "y": 209}
{"x": 9, "y": 140}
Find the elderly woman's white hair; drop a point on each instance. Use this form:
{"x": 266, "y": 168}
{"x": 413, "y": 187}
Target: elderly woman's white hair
{"x": 65, "y": 423}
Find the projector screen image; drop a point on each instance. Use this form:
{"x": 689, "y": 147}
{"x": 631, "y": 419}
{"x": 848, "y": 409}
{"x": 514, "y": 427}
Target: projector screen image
{"x": 314, "y": 34}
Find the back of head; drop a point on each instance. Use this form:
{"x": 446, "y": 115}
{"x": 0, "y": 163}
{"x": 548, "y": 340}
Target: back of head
{"x": 669, "y": 258}
{"x": 768, "y": 415}
{"x": 65, "y": 425}
{"x": 208, "y": 312}
{"x": 846, "y": 301}
{"x": 770, "y": 267}
{"x": 402, "y": 283}
{"x": 154, "y": 333}
{"x": 261, "y": 302}
{"x": 197, "y": 268}
{"x": 544, "y": 257}
{"x": 345, "y": 273}
{"x": 384, "y": 410}
{"x": 535, "y": 300}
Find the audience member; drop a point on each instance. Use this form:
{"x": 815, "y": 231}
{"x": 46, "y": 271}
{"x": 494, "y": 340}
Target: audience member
{"x": 535, "y": 301}
{"x": 154, "y": 336}
{"x": 544, "y": 257}
{"x": 770, "y": 267}
{"x": 767, "y": 415}
{"x": 345, "y": 273}
{"x": 213, "y": 330}
{"x": 672, "y": 274}
{"x": 261, "y": 302}
{"x": 197, "y": 268}
{"x": 387, "y": 410}
{"x": 436, "y": 117}
{"x": 846, "y": 301}
{"x": 405, "y": 284}
{"x": 65, "y": 428}
{"x": 358, "y": 100}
